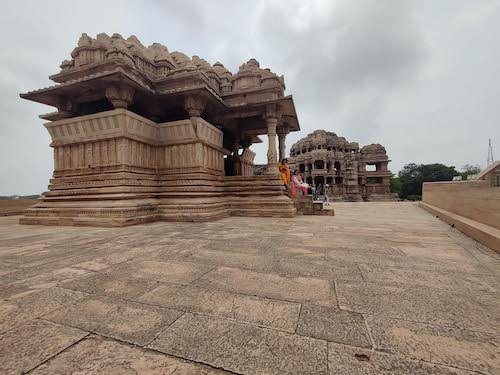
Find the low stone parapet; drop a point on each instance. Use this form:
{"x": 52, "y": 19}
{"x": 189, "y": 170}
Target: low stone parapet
{"x": 473, "y": 207}
{"x": 476, "y": 200}
{"x": 485, "y": 234}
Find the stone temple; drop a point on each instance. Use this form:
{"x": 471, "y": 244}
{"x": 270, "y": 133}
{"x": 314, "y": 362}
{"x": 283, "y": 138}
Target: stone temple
{"x": 143, "y": 134}
{"x": 346, "y": 172}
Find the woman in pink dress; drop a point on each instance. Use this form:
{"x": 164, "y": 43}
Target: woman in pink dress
{"x": 297, "y": 183}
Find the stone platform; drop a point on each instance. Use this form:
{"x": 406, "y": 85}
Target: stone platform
{"x": 380, "y": 288}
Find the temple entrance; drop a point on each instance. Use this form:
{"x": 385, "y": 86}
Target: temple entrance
{"x": 319, "y": 182}
{"x": 229, "y": 166}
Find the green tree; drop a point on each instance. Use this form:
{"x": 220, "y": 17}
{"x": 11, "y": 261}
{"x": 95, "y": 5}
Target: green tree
{"x": 438, "y": 172}
{"x": 395, "y": 184}
{"x": 412, "y": 176}
{"x": 469, "y": 169}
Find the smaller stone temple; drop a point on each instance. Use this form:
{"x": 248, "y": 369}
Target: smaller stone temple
{"x": 344, "y": 171}
{"x": 143, "y": 134}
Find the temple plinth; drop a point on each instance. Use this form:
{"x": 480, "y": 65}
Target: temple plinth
{"x": 143, "y": 134}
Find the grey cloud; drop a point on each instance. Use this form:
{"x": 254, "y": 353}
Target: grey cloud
{"x": 353, "y": 48}
{"x": 419, "y": 77}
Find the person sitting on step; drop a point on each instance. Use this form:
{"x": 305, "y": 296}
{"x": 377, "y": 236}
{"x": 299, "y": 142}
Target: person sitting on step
{"x": 297, "y": 183}
{"x": 284, "y": 172}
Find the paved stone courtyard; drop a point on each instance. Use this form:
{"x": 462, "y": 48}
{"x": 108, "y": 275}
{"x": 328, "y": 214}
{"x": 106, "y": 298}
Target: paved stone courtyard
{"x": 381, "y": 288}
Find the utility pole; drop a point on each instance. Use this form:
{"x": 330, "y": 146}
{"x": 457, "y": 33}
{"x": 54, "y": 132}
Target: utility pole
{"x": 490, "y": 159}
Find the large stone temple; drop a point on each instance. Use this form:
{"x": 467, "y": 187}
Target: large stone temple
{"x": 143, "y": 134}
{"x": 345, "y": 171}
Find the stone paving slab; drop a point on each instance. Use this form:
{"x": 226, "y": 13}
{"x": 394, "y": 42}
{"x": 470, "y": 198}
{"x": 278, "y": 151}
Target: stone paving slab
{"x": 39, "y": 275}
{"x": 239, "y": 307}
{"x": 26, "y": 347}
{"x": 458, "y": 282}
{"x": 128, "y": 321}
{"x": 259, "y": 295}
{"x": 293, "y": 251}
{"x": 97, "y": 355}
{"x": 6, "y": 268}
{"x": 321, "y": 268}
{"x": 333, "y": 325}
{"x": 35, "y": 305}
{"x": 108, "y": 285}
{"x": 437, "y": 251}
{"x": 55, "y": 270}
{"x": 19, "y": 288}
{"x": 164, "y": 271}
{"x": 296, "y": 289}
{"x": 250, "y": 245}
{"x": 257, "y": 262}
{"x": 242, "y": 348}
{"x": 448, "y": 346}
{"x": 283, "y": 264}
{"x": 403, "y": 261}
{"x": 350, "y": 360}
{"x": 478, "y": 312}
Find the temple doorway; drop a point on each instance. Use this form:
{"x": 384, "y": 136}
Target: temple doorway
{"x": 319, "y": 182}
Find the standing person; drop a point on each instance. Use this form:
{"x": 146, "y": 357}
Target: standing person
{"x": 297, "y": 183}
{"x": 319, "y": 188}
{"x": 284, "y": 172}
{"x": 315, "y": 192}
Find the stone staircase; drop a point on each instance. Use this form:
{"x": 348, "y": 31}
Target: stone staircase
{"x": 126, "y": 198}
{"x": 257, "y": 196}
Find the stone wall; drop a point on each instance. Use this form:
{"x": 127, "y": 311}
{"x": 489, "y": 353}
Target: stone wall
{"x": 475, "y": 199}
{"x": 473, "y": 207}
{"x": 118, "y": 168}
{"x": 247, "y": 158}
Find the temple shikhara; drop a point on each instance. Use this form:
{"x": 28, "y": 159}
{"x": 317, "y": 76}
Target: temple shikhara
{"x": 344, "y": 171}
{"x": 143, "y": 134}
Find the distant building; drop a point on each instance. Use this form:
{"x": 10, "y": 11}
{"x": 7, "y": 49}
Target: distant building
{"x": 344, "y": 171}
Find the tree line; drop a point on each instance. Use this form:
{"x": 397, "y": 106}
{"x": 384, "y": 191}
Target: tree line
{"x": 408, "y": 182}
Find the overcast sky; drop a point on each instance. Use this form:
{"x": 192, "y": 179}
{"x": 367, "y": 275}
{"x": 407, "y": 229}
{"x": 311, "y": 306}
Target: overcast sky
{"x": 420, "y": 77}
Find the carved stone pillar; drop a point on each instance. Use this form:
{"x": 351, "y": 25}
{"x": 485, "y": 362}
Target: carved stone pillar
{"x": 282, "y": 133}
{"x": 66, "y": 107}
{"x": 194, "y": 105}
{"x": 272, "y": 116}
{"x": 272, "y": 157}
{"x": 121, "y": 96}
{"x": 237, "y": 171}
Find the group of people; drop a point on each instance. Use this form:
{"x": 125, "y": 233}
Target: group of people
{"x": 295, "y": 179}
